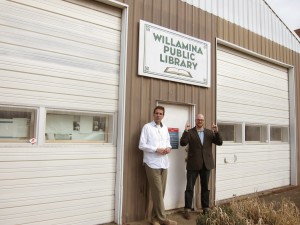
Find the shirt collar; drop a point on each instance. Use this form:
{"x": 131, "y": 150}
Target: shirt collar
{"x": 154, "y": 124}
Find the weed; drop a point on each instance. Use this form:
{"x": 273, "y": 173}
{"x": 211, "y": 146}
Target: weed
{"x": 252, "y": 211}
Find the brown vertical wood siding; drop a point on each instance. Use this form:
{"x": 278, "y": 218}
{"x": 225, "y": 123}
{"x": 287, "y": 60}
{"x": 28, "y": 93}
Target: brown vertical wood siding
{"x": 143, "y": 92}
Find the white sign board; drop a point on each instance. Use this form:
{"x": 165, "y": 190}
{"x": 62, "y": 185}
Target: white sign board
{"x": 170, "y": 55}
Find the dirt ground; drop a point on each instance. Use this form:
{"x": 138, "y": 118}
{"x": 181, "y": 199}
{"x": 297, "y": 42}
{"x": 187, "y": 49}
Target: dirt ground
{"x": 177, "y": 216}
{"x": 291, "y": 193}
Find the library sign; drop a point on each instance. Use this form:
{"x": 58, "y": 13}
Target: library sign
{"x": 170, "y": 55}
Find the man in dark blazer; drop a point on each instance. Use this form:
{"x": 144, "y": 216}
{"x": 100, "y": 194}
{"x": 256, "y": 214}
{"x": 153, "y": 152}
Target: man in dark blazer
{"x": 199, "y": 160}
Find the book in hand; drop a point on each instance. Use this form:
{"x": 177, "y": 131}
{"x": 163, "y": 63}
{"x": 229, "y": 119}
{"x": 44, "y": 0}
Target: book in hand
{"x": 177, "y": 71}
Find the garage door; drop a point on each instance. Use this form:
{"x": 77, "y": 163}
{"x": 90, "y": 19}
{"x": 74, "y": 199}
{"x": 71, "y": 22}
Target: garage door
{"x": 253, "y": 116}
{"x": 59, "y": 69}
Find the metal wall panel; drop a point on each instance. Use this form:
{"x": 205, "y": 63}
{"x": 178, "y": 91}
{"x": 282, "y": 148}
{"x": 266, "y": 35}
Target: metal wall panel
{"x": 143, "y": 92}
{"x": 254, "y": 15}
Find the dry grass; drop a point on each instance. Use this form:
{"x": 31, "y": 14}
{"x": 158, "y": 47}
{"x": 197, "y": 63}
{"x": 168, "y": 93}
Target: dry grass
{"x": 252, "y": 211}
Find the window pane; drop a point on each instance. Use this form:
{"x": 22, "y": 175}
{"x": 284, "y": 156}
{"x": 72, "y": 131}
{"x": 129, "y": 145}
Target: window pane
{"x": 227, "y": 132}
{"x": 16, "y": 124}
{"x": 275, "y": 134}
{"x": 74, "y": 127}
{"x": 252, "y": 133}
{"x": 279, "y": 134}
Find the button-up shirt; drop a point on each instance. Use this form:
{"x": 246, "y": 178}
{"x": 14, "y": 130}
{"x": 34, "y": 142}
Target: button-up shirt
{"x": 201, "y": 135}
{"x": 153, "y": 137}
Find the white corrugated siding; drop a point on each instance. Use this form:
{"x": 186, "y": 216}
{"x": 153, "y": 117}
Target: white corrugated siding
{"x": 57, "y": 185}
{"x": 56, "y": 54}
{"x": 253, "y": 92}
{"x": 257, "y": 168}
{"x": 254, "y": 15}
{"x": 68, "y": 53}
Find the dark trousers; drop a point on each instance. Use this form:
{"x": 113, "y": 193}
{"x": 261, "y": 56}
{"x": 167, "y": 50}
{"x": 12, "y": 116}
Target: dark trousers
{"x": 191, "y": 176}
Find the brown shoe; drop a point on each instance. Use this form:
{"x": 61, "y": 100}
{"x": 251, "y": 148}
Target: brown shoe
{"x": 206, "y": 210}
{"x": 154, "y": 221}
{"x": 169, "y": 222}
{"x": 187, "y": 215}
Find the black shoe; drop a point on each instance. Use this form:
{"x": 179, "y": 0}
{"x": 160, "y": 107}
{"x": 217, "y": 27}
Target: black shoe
{"x": 186, "y": 215}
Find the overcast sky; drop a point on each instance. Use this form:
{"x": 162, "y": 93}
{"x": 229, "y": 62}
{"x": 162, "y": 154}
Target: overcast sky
{"x": 288, "y": 11}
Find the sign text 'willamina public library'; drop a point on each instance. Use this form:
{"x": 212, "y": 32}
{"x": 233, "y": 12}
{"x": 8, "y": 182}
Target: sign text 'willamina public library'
{"x": 170, "y": 55}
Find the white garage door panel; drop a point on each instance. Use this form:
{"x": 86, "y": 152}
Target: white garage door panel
{"x": 32, "y": 70}
{"x": 34, "y": 195}
{"x": 269, "y": 150}
{"x": 257, "y": 99}
{"x": 75, "y": 204}
{"x": 59, "y": 165}
{"x": 241, "y": 161}
{"x": 57, "y": 153}
{"x": 12, "y": 174}
{"x": 50, "y": 100}
{"x": 91, "y": 218}
{"x": 227, "y": 84}
{"x": 239, "y": 108}
{"x": 99, "y": 202}
{"x": 232, "y": 148}
{"x": 58, "y": 185}
{"x": 251, "y": 91}
{"x": 74, "y": 11}
{"x": 110, "y": 10}
{"x": 23, "y": 55}
{"x": 256, "y": 77}
{"x": 232, "y": 192}
{"x": 248, "y": 118}
{"x": 246, "y": 169}
{"x": 59, "y": 86}
{"x": 59, "y": 197}
{"x": 252, "y": 181}
{"x": 50, "y": 24}
{"x": 252, "y": 110}
{"x": 254, "y": 64}
{"x": 261, "y": 157}
{"x": 52, "y": 216}
{"x": 57, "y": 45}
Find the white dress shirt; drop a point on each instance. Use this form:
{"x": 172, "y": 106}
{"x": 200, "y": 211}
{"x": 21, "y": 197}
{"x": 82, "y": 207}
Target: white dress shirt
{"x": 153, "y": 137}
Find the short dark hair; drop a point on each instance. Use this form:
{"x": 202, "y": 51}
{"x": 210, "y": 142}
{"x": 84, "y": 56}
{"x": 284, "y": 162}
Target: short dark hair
{"x": 159, "y": 107}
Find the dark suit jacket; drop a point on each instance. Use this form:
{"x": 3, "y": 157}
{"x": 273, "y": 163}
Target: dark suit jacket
{"x": 197, "y": 152}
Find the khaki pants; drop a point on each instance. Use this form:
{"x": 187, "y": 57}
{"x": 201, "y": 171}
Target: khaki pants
{"x": 157, "y": 179}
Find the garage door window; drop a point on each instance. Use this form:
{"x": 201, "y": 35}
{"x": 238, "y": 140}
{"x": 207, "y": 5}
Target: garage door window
{"x": 78, "y": 127}
{"x": 256, "y": 133}
{"x": 16, "y": 124}
{"x": 231, "y": 132}
{"x": 278, "y": 134}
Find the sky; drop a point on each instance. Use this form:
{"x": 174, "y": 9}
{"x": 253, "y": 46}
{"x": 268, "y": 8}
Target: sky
{"x": 288, "y": 11}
